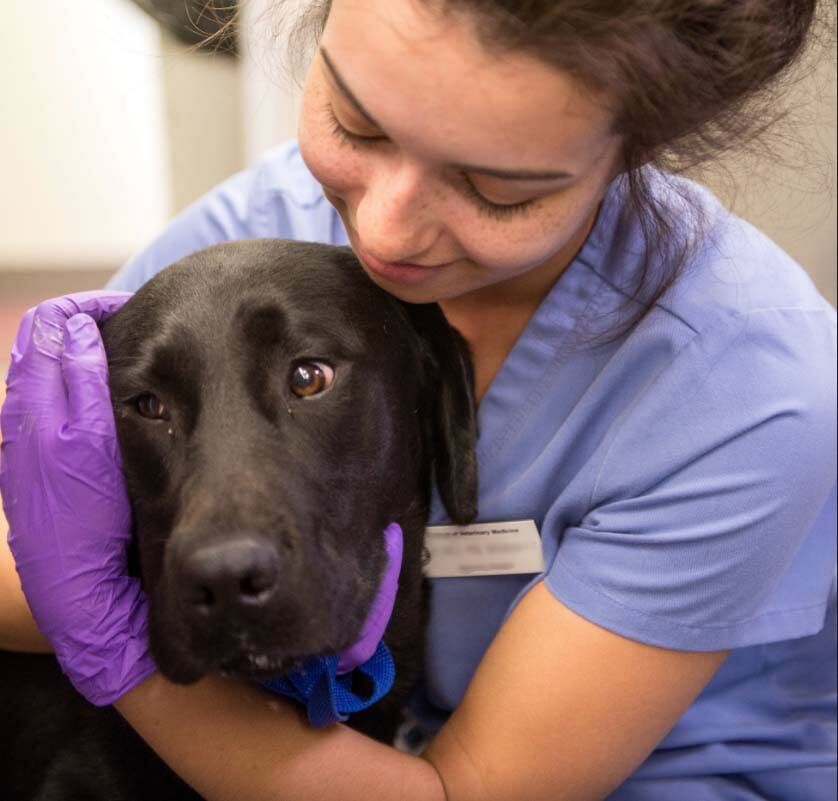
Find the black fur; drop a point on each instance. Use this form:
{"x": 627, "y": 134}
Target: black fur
{"x": 243, "y": 463}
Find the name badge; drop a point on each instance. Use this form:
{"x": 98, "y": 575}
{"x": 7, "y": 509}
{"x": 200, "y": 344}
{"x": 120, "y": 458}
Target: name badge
{"x": 482, "y": 549}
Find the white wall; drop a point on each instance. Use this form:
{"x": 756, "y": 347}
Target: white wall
{"x": 789, "y": 189}
{"x": 270, "y": 96}
{"x": 83, "y": 152}
{"x": 204, "y": 119}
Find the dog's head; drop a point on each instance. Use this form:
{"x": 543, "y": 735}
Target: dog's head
{"x": 275, "y": 411}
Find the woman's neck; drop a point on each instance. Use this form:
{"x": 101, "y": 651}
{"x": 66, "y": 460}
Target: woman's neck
{"x": 493, "y": 317}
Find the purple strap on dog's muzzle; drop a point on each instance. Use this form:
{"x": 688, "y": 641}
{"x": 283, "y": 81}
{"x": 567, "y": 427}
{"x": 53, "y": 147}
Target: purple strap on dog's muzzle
{"x": 324, "y": 684}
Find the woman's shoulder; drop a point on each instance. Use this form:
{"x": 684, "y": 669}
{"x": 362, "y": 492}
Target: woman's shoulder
{"x": 736, "y": 288}
{"x": 743, "y": 293}
{"x": 742, "y": 340}
{"x": 283, "y": 173}
{"x": 730, "y": 269}
{"x": 735, "y": 270}
{"x": 275, "y": 197}
{"x": 289, "y": 202}
{"x": 698, "y": 513}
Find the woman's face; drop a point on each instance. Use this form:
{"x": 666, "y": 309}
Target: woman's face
{"x": 453, "y": 169}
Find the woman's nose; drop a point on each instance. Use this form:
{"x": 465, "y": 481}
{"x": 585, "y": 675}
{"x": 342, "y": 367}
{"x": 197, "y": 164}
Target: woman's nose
{"x": 396, "y": 219}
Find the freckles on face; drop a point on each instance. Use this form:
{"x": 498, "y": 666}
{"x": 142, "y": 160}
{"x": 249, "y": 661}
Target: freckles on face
{"x": 337, "y": 168}
{"x": 436, "y": 152}
{"x": 527, "y": 242}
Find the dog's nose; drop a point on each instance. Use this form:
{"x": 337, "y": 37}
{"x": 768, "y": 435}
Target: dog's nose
{"x": 230, "y": 577}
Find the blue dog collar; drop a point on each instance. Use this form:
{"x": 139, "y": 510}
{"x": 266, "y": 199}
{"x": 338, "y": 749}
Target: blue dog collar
{"x": 327, "y": 696}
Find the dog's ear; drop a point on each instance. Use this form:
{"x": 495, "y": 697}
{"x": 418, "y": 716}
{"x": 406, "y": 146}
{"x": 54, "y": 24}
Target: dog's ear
{"x": 451, "y": 424}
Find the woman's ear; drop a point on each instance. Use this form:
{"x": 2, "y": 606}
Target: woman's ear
{"x": 451, "y": 430}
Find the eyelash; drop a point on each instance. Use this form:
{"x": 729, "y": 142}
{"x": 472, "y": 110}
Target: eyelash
{"x": 496, "y": 210}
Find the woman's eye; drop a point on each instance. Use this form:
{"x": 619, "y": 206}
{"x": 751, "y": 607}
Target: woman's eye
{"x": 311, "y": 378}
{"x": 150, "y": 406}
{"x": 490, "y": 208}
{"x": 350, "y": 137}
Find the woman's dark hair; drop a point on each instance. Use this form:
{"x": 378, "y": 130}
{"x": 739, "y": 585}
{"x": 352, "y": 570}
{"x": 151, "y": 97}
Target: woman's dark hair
{"x": 688, "y": 80}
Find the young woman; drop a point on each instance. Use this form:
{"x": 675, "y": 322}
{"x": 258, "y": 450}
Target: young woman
{"x": 656, "y": 387}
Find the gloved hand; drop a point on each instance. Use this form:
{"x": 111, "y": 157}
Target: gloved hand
{"x": 65, "y": 499}
{"x": 379, "y": 614}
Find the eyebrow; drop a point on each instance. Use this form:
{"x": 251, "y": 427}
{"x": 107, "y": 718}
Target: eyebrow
{"x": 494, "y": 172}
{"x": 341, "y": 84}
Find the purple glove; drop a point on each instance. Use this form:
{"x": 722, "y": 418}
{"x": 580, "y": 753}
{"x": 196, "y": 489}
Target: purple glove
{"x": 379, "y": 615}
{"x": 65, "y": 499}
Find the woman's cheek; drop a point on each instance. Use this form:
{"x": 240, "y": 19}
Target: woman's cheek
{"x": 562, "y": 221}
{"x": 334, "y": 164}
{"x": 508, "y": 261}
{"x": 516, "y": 246}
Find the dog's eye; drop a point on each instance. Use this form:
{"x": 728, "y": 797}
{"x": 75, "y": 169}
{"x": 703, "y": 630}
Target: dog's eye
{"x": 151, "y": 406}
{"x": 311, "y": 378}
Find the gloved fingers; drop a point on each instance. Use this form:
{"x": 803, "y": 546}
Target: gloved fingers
{"x": 100, "y": 304}
{"x": 85, "y": 369}
{"x": 390, "y": 581}
{"x": 394, "y": 543}
{"x": 96, "y": 303}
{"x": 42, "y": 327}
{"x": 382, "y": 607}
{"x": 24, "y": 334}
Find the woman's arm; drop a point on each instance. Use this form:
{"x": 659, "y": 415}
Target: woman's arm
{"x": 18, "y": 631}
{"x": 559, "y": 709}
{"x": 231, "y": 740}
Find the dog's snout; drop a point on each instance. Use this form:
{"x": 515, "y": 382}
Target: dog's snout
{"x": 229, "y": 578}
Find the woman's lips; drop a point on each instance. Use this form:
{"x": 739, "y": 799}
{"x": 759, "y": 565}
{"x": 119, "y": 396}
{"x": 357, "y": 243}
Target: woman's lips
{"x": 398, "y": 272}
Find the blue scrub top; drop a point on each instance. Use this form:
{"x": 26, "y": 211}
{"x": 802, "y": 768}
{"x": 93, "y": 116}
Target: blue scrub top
{"x": 682, "y": 477}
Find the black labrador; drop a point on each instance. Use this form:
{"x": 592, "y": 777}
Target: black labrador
{"x": 275, "y": 411}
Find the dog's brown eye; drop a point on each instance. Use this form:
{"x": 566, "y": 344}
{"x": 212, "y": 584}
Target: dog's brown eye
{"x": 151, "y": 406}
{"x": 311, "y": 378}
